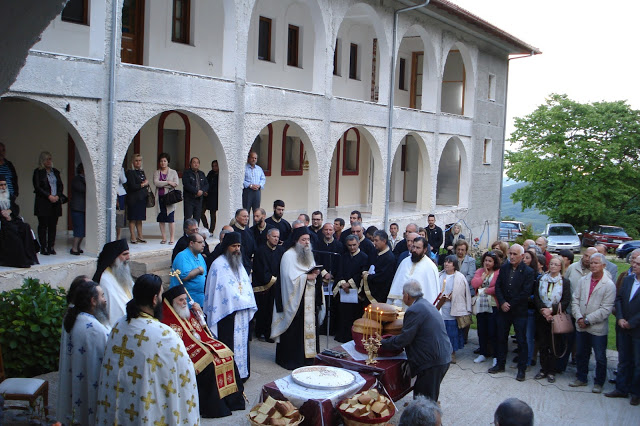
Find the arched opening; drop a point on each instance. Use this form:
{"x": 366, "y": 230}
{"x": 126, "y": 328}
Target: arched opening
{"x": 360, "y": 54}
{"x": 410, "y": 186}
{"x": 458, "y": 86}
{"x": 183, "y": 135}
{"x": 355, "y": 172}
{"x": 28, "y": 127}
{"x": 452, "y": 181}
{"x": 286, "y": 45}
{"x": 287, "y": 156}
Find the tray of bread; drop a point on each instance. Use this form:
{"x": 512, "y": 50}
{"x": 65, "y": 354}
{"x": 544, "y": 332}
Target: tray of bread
{"x": 275, "y": 412}
{"x": 322, "y": 377}
{"x": 365, "y": 408}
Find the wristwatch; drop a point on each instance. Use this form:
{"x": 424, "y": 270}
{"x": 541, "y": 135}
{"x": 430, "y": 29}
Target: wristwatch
{"x": 586, "y": 321}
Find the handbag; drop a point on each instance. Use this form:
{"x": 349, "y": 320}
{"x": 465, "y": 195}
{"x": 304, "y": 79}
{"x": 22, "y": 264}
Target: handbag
{"x": 151, "y": 198}
{"x": 120, "y": 219}
{"x": 474, "y": 304}
{"x": 464, "y": 321}
{"x": 561, "y": 323}
{"x": 63, "y": 199}
{"x": 172, "y": 197}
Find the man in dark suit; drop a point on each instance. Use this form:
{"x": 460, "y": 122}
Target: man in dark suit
{"x": 378, "y": 283}
{"x": 194, "y": 184}
{"x": 426, "y": 341}
{"x": 628, "y": 332}
{"x": 513, "y": 288}
{"x": 402, "y": 246}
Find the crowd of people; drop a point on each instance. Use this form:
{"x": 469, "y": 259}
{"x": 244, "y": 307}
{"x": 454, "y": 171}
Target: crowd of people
{"x": 288, "y": 283}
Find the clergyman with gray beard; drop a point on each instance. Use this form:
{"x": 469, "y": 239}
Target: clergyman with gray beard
{"x": 229, "y": 301}
{"x": 114, "y": 275}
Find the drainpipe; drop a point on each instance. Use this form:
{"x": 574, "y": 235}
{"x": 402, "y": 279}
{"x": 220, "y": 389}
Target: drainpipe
{"x": 111, "y": 117}
{"x": 504, "y": 137}
{"x": 391, "y": 99}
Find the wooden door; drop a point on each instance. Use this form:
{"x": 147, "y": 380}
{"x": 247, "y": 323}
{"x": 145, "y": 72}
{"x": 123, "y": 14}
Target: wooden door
{"x": 415, "y": 94}
{"x": 132, "y": 31}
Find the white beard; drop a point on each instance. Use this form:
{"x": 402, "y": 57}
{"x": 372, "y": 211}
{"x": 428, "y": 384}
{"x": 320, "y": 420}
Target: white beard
{"x": 122, "y": 271}
{"x": 183, "y": 313}
{"x": 5, "y": 201}
{"x": 304, "y": 254}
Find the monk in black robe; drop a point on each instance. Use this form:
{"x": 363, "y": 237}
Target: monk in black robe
{"x": 278, "y": 221}
{"x": 352, "y": 264}
{"x": 266, "y": 279}
{"x": 260, "y": 227}
{"x": 248, "y": 244}
{"x": 17, "y": 246}
{"x": 328, "y": 254}
{"x": 384, "y": 263}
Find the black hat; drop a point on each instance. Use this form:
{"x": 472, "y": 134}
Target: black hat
{"x": 174, "y": 292}
{"x": 3, "y": 178}
{"x": 297, "y": 233}
{"x": 109, "y": 253}
{"x": 229, "y": 239}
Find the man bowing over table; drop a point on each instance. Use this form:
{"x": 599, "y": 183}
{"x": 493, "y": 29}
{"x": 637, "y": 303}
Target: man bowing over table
{"x": 297, "y": 303}
{"x": 229, "y": 302}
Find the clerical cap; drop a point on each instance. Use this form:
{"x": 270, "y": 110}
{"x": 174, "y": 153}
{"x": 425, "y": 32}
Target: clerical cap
{"x": 3, "y": 178}
{"x": 230, "y": 239}
{"x": 109, "y": 253}
{"x": 174, "y": 292}
{"x": 297, "y": 233}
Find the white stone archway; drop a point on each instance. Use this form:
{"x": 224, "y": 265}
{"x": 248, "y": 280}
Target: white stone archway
{"x": 458, "y": 81}
{"x": 411, "y": 180}
{"x": 453, "y": 174}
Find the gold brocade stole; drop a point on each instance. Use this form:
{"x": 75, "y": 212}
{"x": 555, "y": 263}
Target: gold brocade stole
{"x": 309, "y": 320}
{"x": 367, "y": 291}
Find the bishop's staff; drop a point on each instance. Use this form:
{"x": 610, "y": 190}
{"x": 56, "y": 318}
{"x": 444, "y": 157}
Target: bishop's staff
{"x": 176, "y": 273}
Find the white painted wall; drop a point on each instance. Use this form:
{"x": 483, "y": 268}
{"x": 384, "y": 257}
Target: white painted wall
{"x": 362, "y": 35}
{"x": 407, "y": 47}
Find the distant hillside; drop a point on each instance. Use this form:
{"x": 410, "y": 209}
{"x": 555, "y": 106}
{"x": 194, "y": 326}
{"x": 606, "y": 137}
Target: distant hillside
{"x": 509, "y": 208}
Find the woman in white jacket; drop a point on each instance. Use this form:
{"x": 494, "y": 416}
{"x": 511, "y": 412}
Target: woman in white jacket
{"x": 165, "y": 180}
{"x": 455, "y": 291}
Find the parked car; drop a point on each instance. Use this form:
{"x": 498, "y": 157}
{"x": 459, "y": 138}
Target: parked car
{"x": 624, "y": 250}
{"x": 610, "y": 236}
{"x": 561, "y": 236}
{"x": 510, "y": 230}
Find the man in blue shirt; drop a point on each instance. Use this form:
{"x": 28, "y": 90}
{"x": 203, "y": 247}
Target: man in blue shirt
{"x": 192, "y": 267}
{"x": 254, "y": 180}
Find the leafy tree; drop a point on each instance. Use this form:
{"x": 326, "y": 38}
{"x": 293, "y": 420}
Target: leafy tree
{"x": 581, "y": 162}
{"x": 510, "y": 218}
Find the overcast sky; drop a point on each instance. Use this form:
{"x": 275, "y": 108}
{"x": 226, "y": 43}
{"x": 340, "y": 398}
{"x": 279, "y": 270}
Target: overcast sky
{"x": 589, "y": 49}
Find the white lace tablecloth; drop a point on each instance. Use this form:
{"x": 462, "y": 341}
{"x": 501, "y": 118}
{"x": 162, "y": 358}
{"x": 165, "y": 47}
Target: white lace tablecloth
{"x": 298, "y": 395}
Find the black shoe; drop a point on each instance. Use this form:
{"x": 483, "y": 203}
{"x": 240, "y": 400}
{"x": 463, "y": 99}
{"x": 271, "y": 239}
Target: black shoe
{"x": 261, "y": 338}
{"x": 269, "y": 340}
{"x": 612, "y": 381}
{"x": 52, "y": 251}
{"x": 75, "y": 253}
{"x": 616, "y": 394}
{"x": 533, "y": 362}
{"x": 477, "y": 351}
{"x": 496, "y": 369}
{"x": 44, "y": 251}
{"x": 516, "y": 359}
{"x": 520, "y": 377}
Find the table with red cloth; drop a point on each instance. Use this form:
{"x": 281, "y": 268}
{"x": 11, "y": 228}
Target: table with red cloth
{"x": 393, "y": 374}
{"x": 319, "y": 410}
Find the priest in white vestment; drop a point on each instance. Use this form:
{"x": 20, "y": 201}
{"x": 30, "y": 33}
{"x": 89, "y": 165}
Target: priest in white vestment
{"x": 147, "y": 377}
{"x": 295, "y": 319}
{"x": 229, "y": 301}
{"x": 416, "y": 267}
{"x": 81, "y": 353}
{"x": 114, "y": 276}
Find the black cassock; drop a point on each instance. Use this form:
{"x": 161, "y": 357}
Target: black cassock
{"x": 247, "y": 247}
{"x": 380, "y": 282}
{"x": 260, "y": 236}
{"x": 17, "y": 246}
{"x": 266, "y": 264}
{"x": 351, "y": 268}
{"x": 367, "y": 247}
{"x": 331, "y": 265}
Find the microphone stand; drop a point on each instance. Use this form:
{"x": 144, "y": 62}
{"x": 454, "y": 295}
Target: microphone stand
{"x": 331, "y": 255}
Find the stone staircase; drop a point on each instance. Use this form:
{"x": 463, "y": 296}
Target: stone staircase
{"x": 156, "y": 262}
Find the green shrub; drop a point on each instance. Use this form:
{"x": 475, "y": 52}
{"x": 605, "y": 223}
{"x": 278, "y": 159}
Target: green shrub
{"x": 527, "y": 234}
{"x": 30, "y": 328}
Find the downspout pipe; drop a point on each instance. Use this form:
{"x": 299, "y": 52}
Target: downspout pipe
{"x": 111, "y": 118}
{"x": 391, "y": 101}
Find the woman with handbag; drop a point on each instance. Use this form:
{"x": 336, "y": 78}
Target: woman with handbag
{"x": 485, "y": 305}
{"x": 165, "y": 180}
{"x": 457, "y": 306}
{"x": 551, "y": 295}
{"x": 137, "y": 192}
{"x": 47, "y": 185}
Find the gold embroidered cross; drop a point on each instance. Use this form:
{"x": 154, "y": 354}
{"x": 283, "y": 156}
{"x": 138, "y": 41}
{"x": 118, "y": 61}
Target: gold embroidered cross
{"x": 168, "y": 389}
{"x": 190, "y": 403}
{"x": 114, "y": 331}
{"x": 177, "y": 414}
{"x": 154, "y": 363}
{"x": 134, "y": 374}
{"x": 108, "y": 366}
{"x": 240, "y": 286}
{"x": 118, "y": 389}
{"x": 140, "y": 337}
{"x": 160, "y": 422}
{"x": 123, "y": 351}
{"x": 147, "y": 401}
{"x": 131, "y": 412}
{"x": 185, "y": 379}
{"x": 105, "y": 403}
{"x": 176, "y": 352}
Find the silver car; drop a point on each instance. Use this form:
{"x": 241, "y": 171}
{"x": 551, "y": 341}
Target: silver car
{"x": 561, "y": 236}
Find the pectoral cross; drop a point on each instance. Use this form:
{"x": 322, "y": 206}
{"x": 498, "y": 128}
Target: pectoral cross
{"x": 123, "y": 351}
{"x": 240, "y": 286}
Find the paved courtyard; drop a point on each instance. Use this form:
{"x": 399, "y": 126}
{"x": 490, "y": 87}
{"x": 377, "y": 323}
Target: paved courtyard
{"x": 468, "y": 395}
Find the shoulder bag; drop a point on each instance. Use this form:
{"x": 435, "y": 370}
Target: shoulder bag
{"x": 151, "y": 198}
{"x": 561, "y": 324}
{"x": 172, "y": 197}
